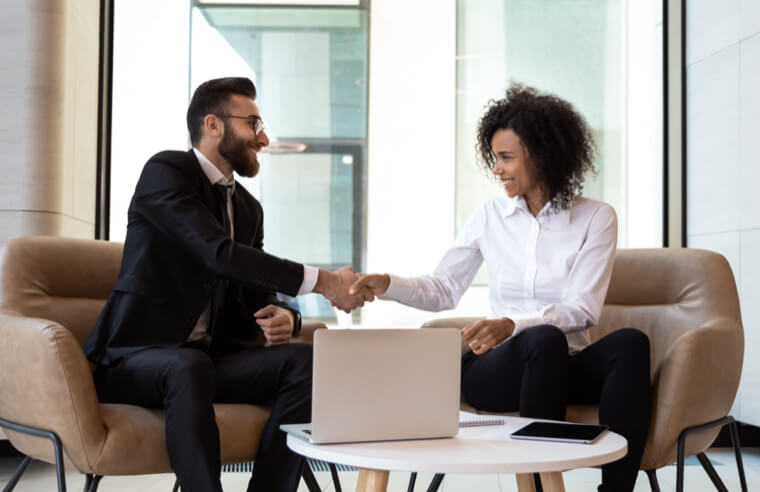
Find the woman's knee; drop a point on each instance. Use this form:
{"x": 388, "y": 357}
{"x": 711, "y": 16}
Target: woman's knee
{"x": 546, "y": 339}
{"x": 631, "y": 349}
{"x": 633, "y": 340}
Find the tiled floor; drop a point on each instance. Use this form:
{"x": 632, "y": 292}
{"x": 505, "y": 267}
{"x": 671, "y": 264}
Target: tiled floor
{"x": 41, "y": 477}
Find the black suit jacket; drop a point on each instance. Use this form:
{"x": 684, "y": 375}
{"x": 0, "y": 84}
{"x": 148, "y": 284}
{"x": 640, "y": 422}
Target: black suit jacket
{"x": 176, "y": 251}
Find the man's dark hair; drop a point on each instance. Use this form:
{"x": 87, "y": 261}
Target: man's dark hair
{"x": 211, "y": 98}
{"x": 556, "y": 138}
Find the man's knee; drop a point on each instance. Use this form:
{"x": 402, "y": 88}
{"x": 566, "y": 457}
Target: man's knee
{"x": 301, "y": 359}
{"x": 302, "y": 351}
{"x": 190, "y": 367}
{"x": 297, "y": 382}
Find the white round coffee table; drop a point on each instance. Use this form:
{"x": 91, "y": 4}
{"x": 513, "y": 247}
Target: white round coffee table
{"x": 473, "y": 450}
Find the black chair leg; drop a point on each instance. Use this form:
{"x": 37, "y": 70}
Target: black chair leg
{"x": 653, "y": 483}
{"x": 412, "y": 480}
{"x": 335, "y": 478}
{"x": 738, "y": 452}
{"x": 309, "y": 478}
{"x": 436, "y": 482}
{"x": 57, "y": 445}
{"x": 91, "y": 482}
{"x": 59, "y": 470}
{"x": 176, "y": 485}
{"x": 727, "y": 420}
{"x": 17, "y": 474}
{"x": 680, "y": 462}
{"x": 705, "y": 462}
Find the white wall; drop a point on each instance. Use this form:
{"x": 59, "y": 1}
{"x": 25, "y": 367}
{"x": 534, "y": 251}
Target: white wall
{"x": 723, "y": 126}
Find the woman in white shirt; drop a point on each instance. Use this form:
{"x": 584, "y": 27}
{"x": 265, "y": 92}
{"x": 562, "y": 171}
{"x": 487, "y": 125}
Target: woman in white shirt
{"x": 549, "y": 255}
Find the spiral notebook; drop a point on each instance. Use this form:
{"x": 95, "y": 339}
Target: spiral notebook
{"x": 468, "y": 419}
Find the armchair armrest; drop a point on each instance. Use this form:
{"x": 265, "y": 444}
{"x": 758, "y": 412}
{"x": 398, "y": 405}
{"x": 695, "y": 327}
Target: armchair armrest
{"x": 458, "y": 323}
{"x": 308, "y": 327}
{"x": 695, "y": 383}
{"x": 46, "y": 382}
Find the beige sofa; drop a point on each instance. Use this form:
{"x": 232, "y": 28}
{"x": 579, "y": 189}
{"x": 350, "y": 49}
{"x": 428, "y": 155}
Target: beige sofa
{"x": 685, "y": 300}
{"x": 51, "y": 293}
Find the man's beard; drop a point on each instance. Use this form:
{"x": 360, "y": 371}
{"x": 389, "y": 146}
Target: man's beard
{"x": 235, "y": 150}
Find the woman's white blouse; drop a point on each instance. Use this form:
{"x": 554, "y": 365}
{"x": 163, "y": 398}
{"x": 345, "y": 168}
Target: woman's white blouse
{"x": 551, "y": 269}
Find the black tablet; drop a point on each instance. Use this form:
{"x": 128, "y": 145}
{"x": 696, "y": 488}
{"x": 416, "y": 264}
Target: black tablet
{"x": 560, "y": 431}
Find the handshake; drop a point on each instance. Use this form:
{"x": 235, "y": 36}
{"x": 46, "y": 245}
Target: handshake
{"x": 347, "y": 290}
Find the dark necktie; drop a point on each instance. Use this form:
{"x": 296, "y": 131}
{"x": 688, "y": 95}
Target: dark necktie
{"x": 224, "y": 192}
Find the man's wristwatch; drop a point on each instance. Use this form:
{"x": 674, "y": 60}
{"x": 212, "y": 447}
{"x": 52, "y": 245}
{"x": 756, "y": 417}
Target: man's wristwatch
{"x": 296, "y": 321}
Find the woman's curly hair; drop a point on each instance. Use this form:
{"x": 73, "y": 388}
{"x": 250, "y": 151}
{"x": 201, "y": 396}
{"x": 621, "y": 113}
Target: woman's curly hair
{"x": 555, "y": 137}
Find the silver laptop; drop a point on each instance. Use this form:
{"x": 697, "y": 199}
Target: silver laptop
{"x": 378, "y": 385}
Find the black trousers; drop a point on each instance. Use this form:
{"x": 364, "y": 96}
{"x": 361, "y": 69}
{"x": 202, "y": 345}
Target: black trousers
{"x": 186, "y": 381}
{"x": 533, "y": 373}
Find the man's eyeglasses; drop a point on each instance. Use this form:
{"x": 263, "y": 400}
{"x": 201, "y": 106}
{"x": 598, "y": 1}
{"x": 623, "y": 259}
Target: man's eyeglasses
{"x": 255, "y": 122}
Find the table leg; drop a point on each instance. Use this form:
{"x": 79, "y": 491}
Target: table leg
{"x": 552, "y": 482}
{"x": 525, "y": 482}
{"x": 372, "y": 480}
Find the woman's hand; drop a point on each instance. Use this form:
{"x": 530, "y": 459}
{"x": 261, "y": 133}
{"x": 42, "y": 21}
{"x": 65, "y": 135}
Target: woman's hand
{"x": 485, "y": 334}
{"x": 376, "y": 282}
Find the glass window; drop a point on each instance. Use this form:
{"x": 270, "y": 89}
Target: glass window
{"x": 583, "y": 52}
{"x": 309, "y": 60}
{"x": 310, "y": 69}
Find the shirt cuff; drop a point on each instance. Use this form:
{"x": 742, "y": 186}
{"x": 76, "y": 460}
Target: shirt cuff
{"x": 526, "y": 320}
{"x": 399, "y": 289}
{"x": 310, "y": 275}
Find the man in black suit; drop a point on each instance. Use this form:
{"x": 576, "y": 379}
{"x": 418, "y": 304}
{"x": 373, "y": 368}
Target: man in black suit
{"x": 192, "y": 318}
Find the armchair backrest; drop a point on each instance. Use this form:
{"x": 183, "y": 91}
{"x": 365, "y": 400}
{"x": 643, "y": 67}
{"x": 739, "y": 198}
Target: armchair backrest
{"x": 668, "y": 292}
{"x": 686, "y": 301}
{"x": 64, "y": 280}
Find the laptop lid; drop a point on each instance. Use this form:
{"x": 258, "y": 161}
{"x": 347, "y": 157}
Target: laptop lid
{"x": 376, "y": 385}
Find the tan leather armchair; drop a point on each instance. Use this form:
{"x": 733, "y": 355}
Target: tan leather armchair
{"x": 685, "y": 300}
{"x": 51, "y": 293}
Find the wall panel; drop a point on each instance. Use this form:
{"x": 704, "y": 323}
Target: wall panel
{"x": 48, "y": 136}
{"x": 723, "y": 51}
